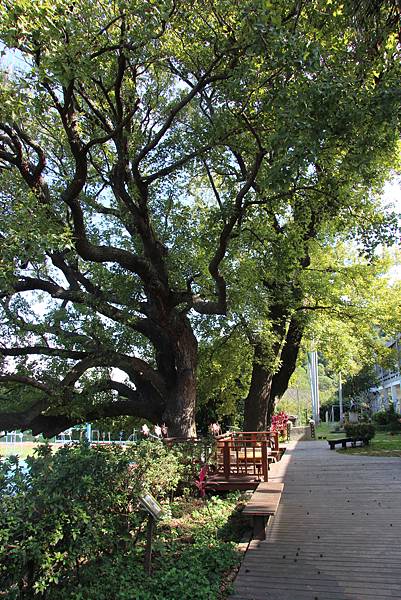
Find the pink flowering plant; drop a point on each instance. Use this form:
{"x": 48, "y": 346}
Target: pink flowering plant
{"x": 279, "y": 421}
{"x": 201, "y": 482}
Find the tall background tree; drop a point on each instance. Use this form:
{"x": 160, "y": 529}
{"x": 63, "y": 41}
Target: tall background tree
{"x": 349, "y": 307}
{"x": 330, "y": 152}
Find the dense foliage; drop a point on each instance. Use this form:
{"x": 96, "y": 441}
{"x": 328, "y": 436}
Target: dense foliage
{"x": 74, "y": 507}
{"x": 192, "y": 552}
{"x": 165, "y": 165}
{"x": 72, "y": 529}
{"x": 356, "y": 431}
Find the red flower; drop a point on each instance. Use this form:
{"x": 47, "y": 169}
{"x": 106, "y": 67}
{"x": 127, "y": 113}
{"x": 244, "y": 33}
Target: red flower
{"x": 201, "y": 482}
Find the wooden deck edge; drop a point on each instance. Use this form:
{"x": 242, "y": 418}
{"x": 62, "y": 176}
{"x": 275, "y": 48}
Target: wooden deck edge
{"x": 266, "y": 493}
{"x": 228, "y": 486}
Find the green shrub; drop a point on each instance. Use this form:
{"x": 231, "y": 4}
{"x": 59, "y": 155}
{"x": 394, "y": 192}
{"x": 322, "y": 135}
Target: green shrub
{"x": 380, "y": 419}
{"x": 192, "y": 455}
{"x": 190, "y": 557}
{"x": 158, "y": 469}
{"x": 73, "y": 508}
{"x": 360, "y": 430}
{"x": 388, "y": 420}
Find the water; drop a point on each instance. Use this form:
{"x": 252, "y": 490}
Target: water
{"x": 23, "y": 465}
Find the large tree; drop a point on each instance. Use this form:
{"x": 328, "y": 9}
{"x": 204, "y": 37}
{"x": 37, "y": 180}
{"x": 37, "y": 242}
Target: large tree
{"x": 103, "y": 135}
{"x": 134, "y": 144}
{"x": 338, "y": 154}
{"x": 331, "y": 144}
{"x": 348, "y": 303}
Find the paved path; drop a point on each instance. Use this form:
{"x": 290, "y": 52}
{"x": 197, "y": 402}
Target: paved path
{"x": 336, "y": 535}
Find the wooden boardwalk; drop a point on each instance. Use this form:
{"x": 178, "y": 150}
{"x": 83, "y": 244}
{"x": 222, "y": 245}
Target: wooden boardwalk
{"x": 336, "y": 534}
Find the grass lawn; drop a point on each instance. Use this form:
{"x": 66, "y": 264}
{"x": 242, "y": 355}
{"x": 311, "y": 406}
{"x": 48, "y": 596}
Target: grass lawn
{"x": 23, "y": 449}
{"x": 324, "y": 430}
{"x": 383, "y": 444}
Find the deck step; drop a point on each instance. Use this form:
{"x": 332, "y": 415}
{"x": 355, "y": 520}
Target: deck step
{"x": 265, "y": 499}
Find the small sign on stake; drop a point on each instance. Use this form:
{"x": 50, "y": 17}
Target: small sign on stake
{"x": 155, "y": 512}
{"x": 151, "y": 505}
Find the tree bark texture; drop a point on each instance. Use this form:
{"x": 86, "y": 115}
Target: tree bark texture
{"x": 257, "y": 402}
{"x": 179, "y": 411}
{"x": 267, "y": 386}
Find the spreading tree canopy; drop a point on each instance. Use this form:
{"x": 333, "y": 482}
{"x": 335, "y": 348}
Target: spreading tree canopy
{"x": 138, "y": 145}
{"x": 339, "y": 139}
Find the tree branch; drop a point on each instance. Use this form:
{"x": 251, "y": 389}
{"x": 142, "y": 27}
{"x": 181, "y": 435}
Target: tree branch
{"x": 14, "y": 378}
{"x": 36, "y": 419}
{"x": 176, "y": 165}
{"x": 220, "y": 306}
{"x": 44, "y": 350}
{"x": 203, "y": 81}
{"x": 145, "y": 326}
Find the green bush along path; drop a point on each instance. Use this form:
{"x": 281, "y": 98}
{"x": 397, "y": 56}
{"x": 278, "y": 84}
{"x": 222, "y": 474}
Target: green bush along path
{"x": 384, "y": 443}
{"x": 71, "y": 528}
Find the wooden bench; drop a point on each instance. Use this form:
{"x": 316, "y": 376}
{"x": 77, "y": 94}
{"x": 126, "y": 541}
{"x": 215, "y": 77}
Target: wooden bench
{"x": 344, "y": 441}
{"x": 263, "y": 504}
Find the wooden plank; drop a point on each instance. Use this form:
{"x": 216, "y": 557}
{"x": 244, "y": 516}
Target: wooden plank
{"x": 336, "y": 531}
{"x": 236, "y": 482}
{"x": 265, "y": 499}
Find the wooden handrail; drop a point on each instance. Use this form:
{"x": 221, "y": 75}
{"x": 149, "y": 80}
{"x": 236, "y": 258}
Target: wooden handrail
{"x": 246, "y": 453}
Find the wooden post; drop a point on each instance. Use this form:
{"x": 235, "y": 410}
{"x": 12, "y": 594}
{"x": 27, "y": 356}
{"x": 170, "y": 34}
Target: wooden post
{"x": 148, "y": 549}
{"x": 226, "y": 459}
{"x": 265, "y": 464}
{"x": 259, "y": 527}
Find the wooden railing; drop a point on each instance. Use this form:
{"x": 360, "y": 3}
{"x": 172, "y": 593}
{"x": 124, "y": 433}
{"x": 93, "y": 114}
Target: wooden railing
{"x": 246, "y": 453}
{"x": 232, "y": 454}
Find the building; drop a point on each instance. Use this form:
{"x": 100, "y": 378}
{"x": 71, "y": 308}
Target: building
{"x": 388, "y": 387}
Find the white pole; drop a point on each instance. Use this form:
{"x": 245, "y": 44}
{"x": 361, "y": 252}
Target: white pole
{"x": 314, "y": 384}
{"x": 317, "y": 418}
{"x": 312, "y": 388}
{"x": 340, "y": 397}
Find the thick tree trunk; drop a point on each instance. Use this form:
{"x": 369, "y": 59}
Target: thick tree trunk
{"x": 179, "y": 413}
{"x": 266, "y": 388}
{"x": 257, "y": 401}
